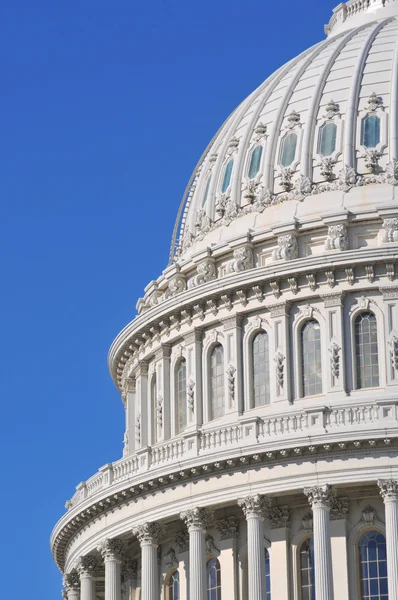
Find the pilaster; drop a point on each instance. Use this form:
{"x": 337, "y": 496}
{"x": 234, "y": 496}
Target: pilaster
{"x": 194, "y": 349}
{"x": 142, "y": 402}
{"x": 279, "y": 520}
{"x": 229, "y": 531}
{"x": 234, "y": 364}
{"x": 389, "y": 493}
{"x": 162, "y": 366}
{"x": 281, "y": 356}
{"x": 338, "y": 539}
{"x": 334, "y": 314}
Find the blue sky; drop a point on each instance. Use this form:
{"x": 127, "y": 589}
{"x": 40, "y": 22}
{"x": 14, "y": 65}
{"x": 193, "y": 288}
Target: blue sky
{"x": 105, "y": 109}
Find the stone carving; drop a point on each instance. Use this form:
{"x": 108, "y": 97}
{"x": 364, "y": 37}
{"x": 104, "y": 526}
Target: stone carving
{"x": 388, "y": 489}
{"x": 226, "y": 209}
{"x": 369, "y": 515}
{"x": 391, "y": 175}
{"x": 176, "y": 286}
{"x": 226, "y": 298}
{"x": 129, "y": 570}
{"x": 71, "y": 581}
{"x": 170, "y": 559}
{"x": 252, "y": 188}
{"x": 138, "y": 429}
{"x": 330, "y": 278}
{"x": 302, "y": 187}
{"x": 307, "y": 522}
{"x": 191, "y": 395}
{"x": 332, "y": 110}
{"x": 278, "y": 516}
{"x": 390, "y": 233}
{"x": 197, "y": 518}
{"x": 203, "y": 222}
{"x": 182, "y": 541}
{"x": 374, "y": 102}
{"x": 205, "y": 272}
{"x": 254, "y": 506}
{"x": 307, "y": 311}
{"x": 311, "y": 278}
{"x": 370, "y": 273}
{"x": 280, "y": 369}
{"x": 228, "y": 528}
{"x": 233, "y": 145}
{"x": 319, "y": 496}
{"x": 390, "y": 271}
{"x": 327, "y": 168}
{"x": 350, "y": 276}
{"x": 231, "y": 383}
{"x": 275, "y": 287}
{"x": 159, "y": 411}
{"x": 242, "y": 261}
{"x": 347, "y": 178}
{"x": 111, "y": 549}
{"x": 211, "y": 547}
{"x": 260, "y": 131}
{"x": 126, "y": 444}
{"x": 372, "y": 158}
{"x": 292, "y": 281}
{"x": 338, "y": 508}
{"x": 393, "y": 343}
{"x": 286, "y": 176}
{"x": 287, "y": 248}
{"x": 337, "y": 238}
{"x": 149, "y": 533}
{"x": 212, "y": 305}
{"x": 293, "y": 119}
{"x": 335, "y": 359}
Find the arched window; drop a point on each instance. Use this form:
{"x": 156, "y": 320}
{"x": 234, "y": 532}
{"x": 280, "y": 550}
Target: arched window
{"x": 289, "y": 146}
{"x": 311, "y": 358}
{"x": 328, "y": 139}
{"x": 261, "y": 379}
{"x": 206, "y": 194}
{"x": 217, "y": 395}
{"x": 371, "y": 131}
{"x": 213, "y": 572}
{"x": 227, "y": 176}
{"x": 307, "y": 570}
{"x": 366, "y": 350}
{"x": 181, "y": 389}
{"x": 255, "y": 161}
{"x": 173, "y": 586}
{"x": 373, "y": 566}
{"x": 154, "y": 402}
{"x": 267, "y": 576}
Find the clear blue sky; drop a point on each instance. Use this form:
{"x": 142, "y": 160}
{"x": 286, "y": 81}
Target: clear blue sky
{"x": 105, "y": 109}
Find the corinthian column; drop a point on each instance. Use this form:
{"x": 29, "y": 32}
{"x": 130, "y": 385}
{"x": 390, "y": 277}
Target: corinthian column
{"x": 111, "y": 551}
{"x": 197, "y": 520}
{"x": 389, "y": 492}
{"x": 149, "y": 536}
{"x": 72, "y": 586}
{"x": 319, "y": 497}
{"x": 87, "y": 566}
{"x": 254, "y": 508}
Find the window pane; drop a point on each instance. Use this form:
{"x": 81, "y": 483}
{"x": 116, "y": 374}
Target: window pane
{"x": 373, "y": 566}
{"x": 307, "y": 570}
{"x": 213, "y": 580}
{"x": 311, "y": 359}
{"x": 255, "y": 161}
{"x": 227, "y": 176}
{"x": 328, "y": 139}
{"x": 371, "y": 131}
{"x": 289, "y": 145}
{"x": 261, "y": 368}
{"x": 181, "y": 388}
{"x": 366, "y": 350}
{"x": 267, "y": 577}
{"x": 174, "y": 586}
{"x": 217, "y": 382}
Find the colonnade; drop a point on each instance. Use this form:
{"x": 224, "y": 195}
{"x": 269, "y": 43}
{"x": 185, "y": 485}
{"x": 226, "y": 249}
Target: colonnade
{"x": 80, "y": 584}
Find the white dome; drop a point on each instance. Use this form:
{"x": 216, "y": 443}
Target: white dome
{"x": 338, "y": 83}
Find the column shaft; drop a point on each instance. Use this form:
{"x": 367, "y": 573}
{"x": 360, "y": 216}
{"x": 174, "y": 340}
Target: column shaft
{"x": 391, "y": 510}
{"x": 197, "y": 564}
{"x": 73, "y": 595}
{"x": 113, "y": 584}
{"x": 87, "y": 587}
{"x": 256, "y": 558}
{"x": 322, "y": 554}
{"x": 149, "y": 573}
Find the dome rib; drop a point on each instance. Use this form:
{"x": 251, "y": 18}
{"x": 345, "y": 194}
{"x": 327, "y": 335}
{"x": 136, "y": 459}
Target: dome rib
{"x": 394, "y": 107}
{"x": 274, "y": 136}
{"x": 353, "y": 96}
{"x": 310, "y": 126}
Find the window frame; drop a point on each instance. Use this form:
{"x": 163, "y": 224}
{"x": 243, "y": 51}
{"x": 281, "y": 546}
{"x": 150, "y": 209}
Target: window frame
{"x": 302, "y": 375}
{"x": 167, "y": 583}
{"x": 354, "y": 364}
{"x": 360, "y": 149}
{"x": 300, "y": 318}
{"x": 335, "y": 156}
{"x": 211, "y": 417}
{"x": 177, "y": 431}
{"x": 254, "y": 326}
{"x": 218, "y": 585}
{"x": 354, "y": 577}
{"x": 301, "y": 536}
{"x": 249, "y": 160}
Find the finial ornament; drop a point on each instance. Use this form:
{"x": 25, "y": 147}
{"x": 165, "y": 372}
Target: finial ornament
{"x": 319, "y": 496}
{"x": 388, "y": 489}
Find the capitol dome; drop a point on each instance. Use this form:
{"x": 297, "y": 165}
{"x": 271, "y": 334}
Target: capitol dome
{"x": 260, "y": 376}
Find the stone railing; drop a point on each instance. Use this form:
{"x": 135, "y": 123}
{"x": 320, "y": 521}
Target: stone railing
{"x": 288, "y": 429}
{"x": 353, "y": 8}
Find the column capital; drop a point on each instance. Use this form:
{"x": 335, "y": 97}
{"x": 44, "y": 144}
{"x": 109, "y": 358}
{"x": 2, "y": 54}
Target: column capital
{"x": 278, "y": 516}
{"x": 228, "y": 528}
{"x": 111, "y": 549}
{"x": 149, "y": 533}
{"x": 254, "y": 506}
{"x": 388, "y": 489}
{"x": 197, "y": 518}
{"x": 319, "y": 496}
{"x": 87, "y": 566}
{"x": 71, "y": 581}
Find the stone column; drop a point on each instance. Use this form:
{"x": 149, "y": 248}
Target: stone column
{"x": 229, "y": 531}
{"x": 111, "y": 551}
{"x": 149, "y": 536}
{"x": 338, "y": 539}
{"x": 389, "y": 492}
{"x": 181, "y": 540}
{"x": 197, "y": 520}
{"x": 71, "y": 582}
{"x": 319, "y": 497}
{"x": 279, "y": 520}
{"x": 254, "y": 509}
{"x": 87, "y": 567}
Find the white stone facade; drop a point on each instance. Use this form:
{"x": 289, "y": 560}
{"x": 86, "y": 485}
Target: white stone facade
{"x": 250, "y": 448}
